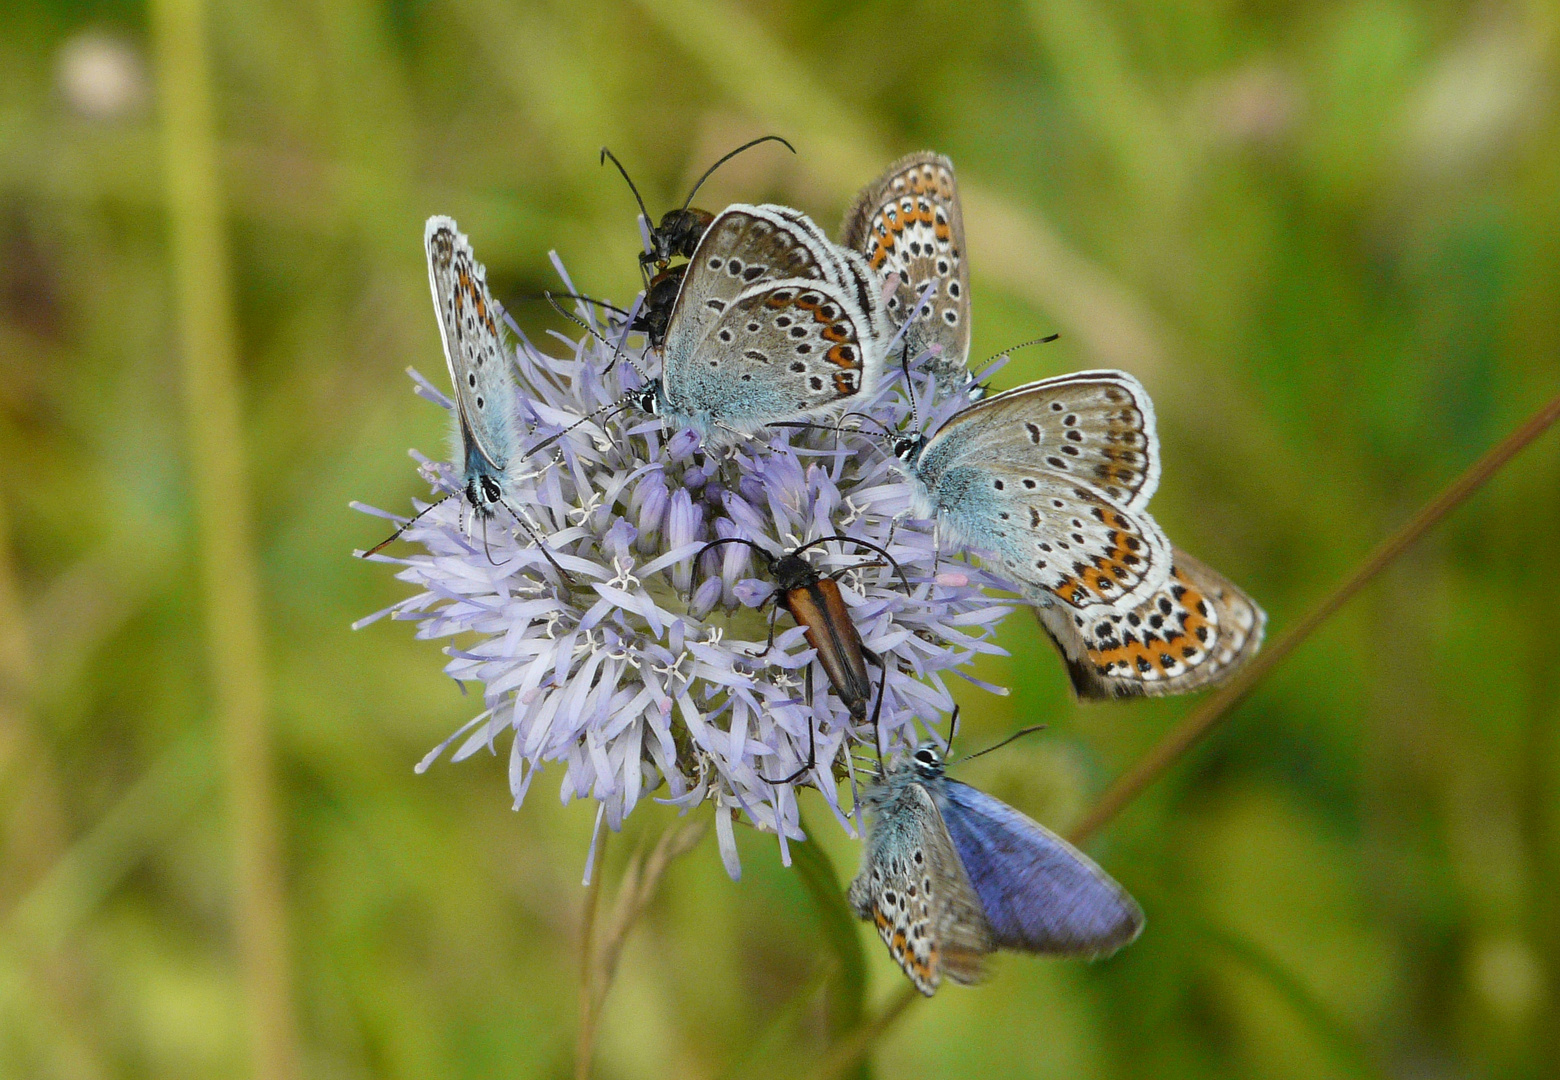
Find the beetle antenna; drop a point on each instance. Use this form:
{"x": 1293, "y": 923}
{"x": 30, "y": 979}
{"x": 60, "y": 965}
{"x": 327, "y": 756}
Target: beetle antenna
{"x": 605, "y": 154}
{"x": 868, "y": 544}
{"x": 745, "y": 146}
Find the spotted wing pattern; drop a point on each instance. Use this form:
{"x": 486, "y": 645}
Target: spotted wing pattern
{"x": 473, "y": 349}
{"x": 1093, "y": 426}
{"x": 908, "y": 221}
{"x": 744, "y": 246}
{"x": 1193, "y": 633}
{"x": 773, "y": 323}
{"x": 914, "y": 889}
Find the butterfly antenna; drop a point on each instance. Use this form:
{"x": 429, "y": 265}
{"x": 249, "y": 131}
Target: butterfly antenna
{"x": 620, "y": 405}
{"x": 915, "y": 412}
{"x": 537, "y": 540}
{"x": 393, "y": 537}
{"x": 953, "y": 728}
{"x": 1024, "y": 345}
{"x": 573, "y": 318}
{"x": 628, "y": 328}
{"x": 1016, "y": 735}
{"x": 577, "y": 296}
{"x": 707, "y": 172}
{"x": 887, "y": 433}
{"x": 605, "y": 154}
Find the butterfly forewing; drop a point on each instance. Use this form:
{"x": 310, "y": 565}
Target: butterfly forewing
{"x": 909, "y": 222}
{"x": 1038, "y": 893}
{"x": 913, "y": 887}
{"x": 1093, "y": 426}
{"x": 1193, "y": 633}
{"x": 473, "y": 348}
{"x": 743, "y": 246}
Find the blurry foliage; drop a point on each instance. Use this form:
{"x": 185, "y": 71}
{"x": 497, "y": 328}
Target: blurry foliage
{"x": 1327, "y": 237}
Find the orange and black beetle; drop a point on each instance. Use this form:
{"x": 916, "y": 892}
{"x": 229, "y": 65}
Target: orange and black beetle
{"x": 814, "y": 601}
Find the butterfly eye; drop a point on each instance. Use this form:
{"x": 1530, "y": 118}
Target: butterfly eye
{"x": 926, "y": 756}
{"x": 648, "y": 402}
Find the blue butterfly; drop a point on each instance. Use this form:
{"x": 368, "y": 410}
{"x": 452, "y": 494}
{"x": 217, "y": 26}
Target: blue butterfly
{"x": 951, "y": 874}
{"x": 479, "y": 366}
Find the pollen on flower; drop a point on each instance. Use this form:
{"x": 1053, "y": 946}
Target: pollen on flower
{"x": 648, "y": 675}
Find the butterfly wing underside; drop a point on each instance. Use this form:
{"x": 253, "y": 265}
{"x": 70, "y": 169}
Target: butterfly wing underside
{"x": 473, "y": 349}
{"x": 1038, "y": 893}
{"x": 908, "y": 221}
{"x": 913, "y": 887}
{"x": 773, "y": 323}
{"x": 1092, "y": 426}
{"x": 1193, "y": 633}
{"x": 743, "y": 246}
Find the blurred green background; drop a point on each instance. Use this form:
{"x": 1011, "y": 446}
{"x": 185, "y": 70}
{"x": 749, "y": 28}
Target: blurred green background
{"x": 1327, "y": 238}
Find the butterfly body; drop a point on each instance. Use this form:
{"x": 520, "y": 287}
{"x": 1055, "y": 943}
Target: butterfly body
{"x": 950, "y": 874}
{"x": 771, "y": 322}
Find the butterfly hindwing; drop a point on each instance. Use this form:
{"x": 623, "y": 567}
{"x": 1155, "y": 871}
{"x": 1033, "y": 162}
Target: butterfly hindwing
{"x": 1038, "y": 892}
{"x": 1057, "y": 539}
{"x": 908, "y": 221}
{"x": 743, "y": 246}
{"x": 1193, "y": 633}
{"x": 913, "y": 887}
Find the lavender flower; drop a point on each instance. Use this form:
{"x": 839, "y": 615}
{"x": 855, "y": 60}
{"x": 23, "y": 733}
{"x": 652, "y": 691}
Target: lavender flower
{"x": 649, "y": 668}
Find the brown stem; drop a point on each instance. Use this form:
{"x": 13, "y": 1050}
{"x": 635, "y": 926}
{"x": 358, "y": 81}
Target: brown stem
{"x": 599, "y": 959}
{"x": 1202, "y": 719}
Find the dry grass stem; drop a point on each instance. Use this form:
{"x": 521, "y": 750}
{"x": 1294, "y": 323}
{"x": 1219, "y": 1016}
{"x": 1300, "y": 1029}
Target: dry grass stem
{"x": 600, "y": 952}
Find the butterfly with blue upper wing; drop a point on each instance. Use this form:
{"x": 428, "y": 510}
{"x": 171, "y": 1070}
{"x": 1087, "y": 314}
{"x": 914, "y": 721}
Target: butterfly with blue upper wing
{"x": 950, "y": 874}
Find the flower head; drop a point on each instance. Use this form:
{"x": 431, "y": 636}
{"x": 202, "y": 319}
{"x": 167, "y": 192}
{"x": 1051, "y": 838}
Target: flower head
{"x": 647, "y": 674}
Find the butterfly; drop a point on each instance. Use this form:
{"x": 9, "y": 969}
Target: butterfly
{"x": 950, "y": 874}
{"x": 1194, "y": 632}
{"x": 908, "y": 221}
{"x": 479, "y": 370}
{"x": 1050, "y": 482}
{"x": 772, "y": 322}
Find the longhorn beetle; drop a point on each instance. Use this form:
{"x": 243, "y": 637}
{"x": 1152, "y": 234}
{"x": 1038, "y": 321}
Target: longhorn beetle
{"x": 814, "y": 601}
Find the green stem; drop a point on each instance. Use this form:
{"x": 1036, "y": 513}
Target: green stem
{"x": 229, "y": 575}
